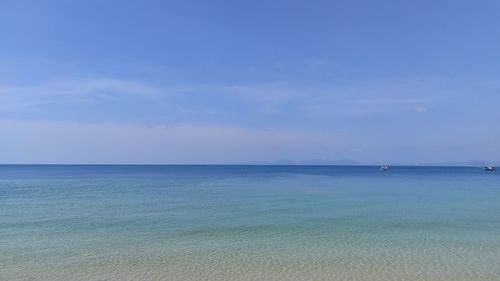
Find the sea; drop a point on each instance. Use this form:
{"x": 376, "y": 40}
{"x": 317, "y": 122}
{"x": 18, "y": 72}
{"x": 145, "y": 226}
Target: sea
{"x": 217, "y": 222}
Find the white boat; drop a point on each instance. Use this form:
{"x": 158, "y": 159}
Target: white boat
{"x": 384, "y": 168}
{"x": 489, "y": 168}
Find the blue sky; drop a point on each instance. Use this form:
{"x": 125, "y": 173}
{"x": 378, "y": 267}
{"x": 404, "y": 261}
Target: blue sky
{"x": 236, "y": 81}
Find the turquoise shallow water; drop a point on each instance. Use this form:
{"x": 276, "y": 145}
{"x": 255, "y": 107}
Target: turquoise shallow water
{"x": 248, "y": 223}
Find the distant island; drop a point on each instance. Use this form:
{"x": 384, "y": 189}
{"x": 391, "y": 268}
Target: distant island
{"x": 350, "y": 162}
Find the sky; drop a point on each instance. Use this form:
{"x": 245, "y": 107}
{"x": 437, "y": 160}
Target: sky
{"x": 178, "y": 82}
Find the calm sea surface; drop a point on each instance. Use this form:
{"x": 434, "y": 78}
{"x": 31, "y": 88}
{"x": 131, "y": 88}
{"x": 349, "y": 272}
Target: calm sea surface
{"x": 248, "y": 223}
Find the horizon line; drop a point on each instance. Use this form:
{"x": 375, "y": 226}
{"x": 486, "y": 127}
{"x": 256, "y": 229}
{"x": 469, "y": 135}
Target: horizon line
{"x": 230, "y": 164}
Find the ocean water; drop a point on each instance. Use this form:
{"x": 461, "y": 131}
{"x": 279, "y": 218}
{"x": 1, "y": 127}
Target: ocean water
{"x": 249, "y": 223}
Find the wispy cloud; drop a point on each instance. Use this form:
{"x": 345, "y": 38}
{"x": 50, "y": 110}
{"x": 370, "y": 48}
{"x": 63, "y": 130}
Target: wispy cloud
{"x": 265, "y": 92}
{"x": 421, "y": 109}
{"x": 228, "y": 103}
{"x": 85, "y": 90}
{"x": 289, "y": 98}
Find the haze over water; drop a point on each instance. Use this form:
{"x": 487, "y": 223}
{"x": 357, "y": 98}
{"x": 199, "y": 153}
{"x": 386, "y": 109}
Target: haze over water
{"x": 248, "y": 223}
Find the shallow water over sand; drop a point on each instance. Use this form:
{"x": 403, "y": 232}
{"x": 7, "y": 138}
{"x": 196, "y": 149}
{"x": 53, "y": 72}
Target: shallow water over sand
{"x": 248, "y": 223}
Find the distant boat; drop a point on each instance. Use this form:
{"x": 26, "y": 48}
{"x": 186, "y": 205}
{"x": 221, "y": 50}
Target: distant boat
{"x": 489, "y": 168}
{"x": 384, "y": 168}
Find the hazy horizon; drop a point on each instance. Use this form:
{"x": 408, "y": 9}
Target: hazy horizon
{"x": 230, "y": 82}
{"x": 280, "y": 162}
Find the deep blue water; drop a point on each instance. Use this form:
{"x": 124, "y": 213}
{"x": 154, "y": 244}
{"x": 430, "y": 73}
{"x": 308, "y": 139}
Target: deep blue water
{"x": 248, "y": 223}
